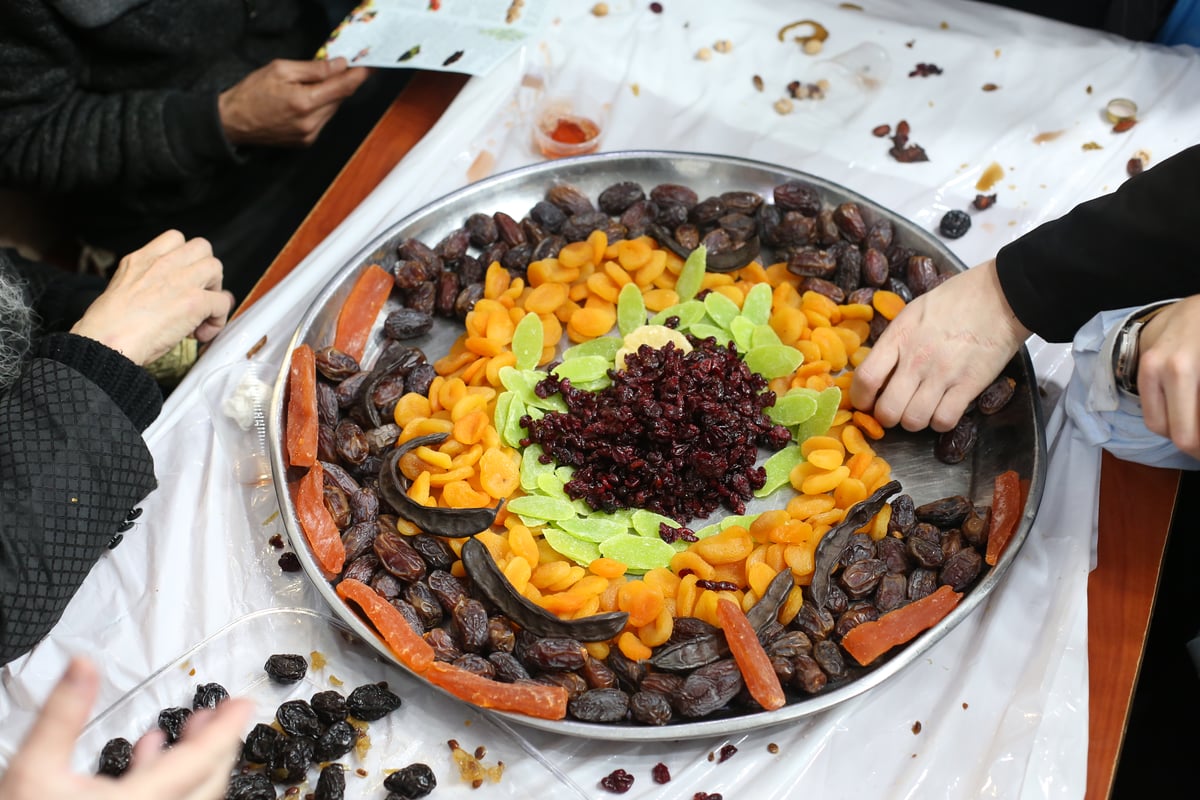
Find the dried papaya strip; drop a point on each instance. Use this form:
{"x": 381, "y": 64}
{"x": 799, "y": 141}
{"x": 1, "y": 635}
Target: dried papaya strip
{"x": 1006, "y": 510}
{"x": 301, "y": 427}
{"x": 761, "y": 680}
{"x": 317, "y": 523}
{"x": 531, "y": 699}
{"x": 408, "y": 646}
{"x": 358, "y": 313}
{"x": 869, "y": 640}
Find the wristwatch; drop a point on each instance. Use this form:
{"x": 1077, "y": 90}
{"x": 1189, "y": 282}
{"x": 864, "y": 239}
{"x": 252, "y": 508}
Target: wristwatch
{"x": 1125, "y": 349}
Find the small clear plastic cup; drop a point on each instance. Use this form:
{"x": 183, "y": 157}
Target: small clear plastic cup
{"x": 565, "y": 126}
{"x": 238, "y": 396}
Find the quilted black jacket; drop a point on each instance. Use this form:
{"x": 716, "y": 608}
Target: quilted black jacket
{"x": 72, "y": 467}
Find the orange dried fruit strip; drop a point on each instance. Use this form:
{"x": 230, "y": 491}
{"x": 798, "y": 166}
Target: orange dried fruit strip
{"x": 1006, "y": 510}
{"x": 408, "y": 646}
{"x": 301, "y": 428}
{"x": 358, "y": 313}
{"x": 761, "y": 680}
{"x": 531, "y": 699}
{"x": 317, "y": 523}
{"x": 869, "y": 640}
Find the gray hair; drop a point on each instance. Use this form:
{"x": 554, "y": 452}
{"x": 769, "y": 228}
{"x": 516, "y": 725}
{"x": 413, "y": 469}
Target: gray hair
{"x": 16, "y": 328}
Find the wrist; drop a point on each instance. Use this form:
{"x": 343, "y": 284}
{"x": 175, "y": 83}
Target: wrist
{"x": 1128, "y": 345}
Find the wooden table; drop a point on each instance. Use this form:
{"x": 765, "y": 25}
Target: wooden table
{"x": 1132, "y": 535}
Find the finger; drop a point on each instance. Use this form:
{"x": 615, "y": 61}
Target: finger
{"x": 336, "y": 88}
{"x": 202, "y": 759}
{"x": 162, "y": 244}
{"x": 1180, "y": 398}
{"x": 1154, "y": 405}
{"x": 896, "y": 395}
{"x": 872, "y": 374}
{"x": 53, "y": 735}
{"x": 149, "y": 748}
{"x": 924, "y": 401}
{"x": 207, "y": 331}
{"x": 306, "y": 71}
{"x": 950, "y": 409}
{"x": 194, "y": 251}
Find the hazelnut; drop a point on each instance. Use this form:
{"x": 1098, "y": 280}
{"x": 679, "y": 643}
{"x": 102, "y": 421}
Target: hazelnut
{"x": 813, "y": 46}
{"x": 784, "y": 106}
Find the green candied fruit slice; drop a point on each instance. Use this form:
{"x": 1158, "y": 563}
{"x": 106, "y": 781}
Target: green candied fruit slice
{"x": 797, "y": 406}
{"x": 708, "y": 530}
{"x": 527, "y": 341}
{"x": 757, "y": 306}
{"x": 523, "y": 381}
{"x": 646, "y": 522}
{"x": 774, "y": 360}
{"x": 818, "y": 424}
{"x": 637, "y": 553}
{"x": 744, "y": 520}
{"x": 581, "y": 551}
{"x": 764, "y": 335}
{"x": 540, "y": 507}
{"x": 565, "y": 472}
{"x": 631, "y": 308}
{"x": 592, "y": 529}
{"x": 621, "y": 515}
{"x": 703, "y": 332}
{"x": 584, "y": 369}
{"x": 692, "y": 274}
{"x": 551, "y": 485}
{"x": 503, "y": 401}
{"x": 604, "y": 346}
{"x": 779, "y": 469}
{"x": 531, "y": 468}
{"x": 512, "y": 431}
{"x": 593, "y": 386}
{"x": 689, "y": 313}
{"x": 721, "y": 308}
{"x": 742, "y": 330}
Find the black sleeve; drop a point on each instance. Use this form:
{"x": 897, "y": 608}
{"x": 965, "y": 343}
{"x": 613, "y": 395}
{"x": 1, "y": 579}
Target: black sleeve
{"x": 72, "y": 465}
{"x": 58, "y": 136}
{"x": 1129, "y": 248}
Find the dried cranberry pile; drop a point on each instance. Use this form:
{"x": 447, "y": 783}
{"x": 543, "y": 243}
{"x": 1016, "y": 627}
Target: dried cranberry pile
{"x": 676, "y": 433}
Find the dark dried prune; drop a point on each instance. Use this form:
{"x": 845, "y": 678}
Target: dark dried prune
{"x": 329, "y": 706}
{"x": 948, "y": 512}
{"x": 600, "y": 705}
{"x": 580, "y": 226}
{"x": 836, "y": 599}
{"x": 115, "y": 757}
{"x": 891, "y": 551}
{"x": 848, "y": 217}
{"x": 639, "y": 216}
{"x": 481, "y": 230}
{"x": 789, "y": 645}
{"x": 337, "y": 740}
{"x": 548, "y": 215}
{"x": 798, "y": 196}
{"x": 371, "y": 701}
{"x": 415, "y": 780}
{"x": 809, "y": 677}
{"x": 674, "y": 194}
{"x": 670, "y": 215}
{"x": 399, "y": 557}
{"x": 817, "y": 623}
{"x": 250, "y": 786}
{"x": 260, "y": 743}
{"x": 708, "y": 688}
{"x": 516, "y": 259}
{"x": 171, "y": 722}
{"x": 617, "y": 198}
{"x": 469, "y": 620}
{"x": 961, "y": 569}
{"x": 290, "y": 759}
{"x": 997, "y": 395}
{"x": 334, "y": 364}
{"x": 331, "y": 784}
{"x": 954, "y": 223}
{"x": 859, "y": 548}
{"x": 209, "y": 695}
{"x": 297, "y": 718}
{"x": 386, "y": 585}
{"x": 554, "y": 654}
{"x": 407, "y": 323}
{"x": 954, "y": 445}
{"x": 706, "y": 212}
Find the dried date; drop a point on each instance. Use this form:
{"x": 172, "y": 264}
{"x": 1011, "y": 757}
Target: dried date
{"x": 469, "y": 621}
{"x": 334, "y": 364}
{"x": 650, "y": 708}
{"x": 708, "y": 688}
{"x": 954, "y": 445}
{"x": 508, "y": 668}
{"x": 407, "y": 323}
{"x": 600, "y": 705}
{"x": 997, "y": 395}
{"x": 616, "y": 199}
{"x": 555, "y": 654}
{"x": 961, "y": 569}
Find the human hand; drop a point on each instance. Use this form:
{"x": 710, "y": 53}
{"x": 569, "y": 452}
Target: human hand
{"x": 286, "y": 103}
{"x": 197, "y": 767}
{"x": 939, "y": 353}
{"x": 1168, "y": 374}
{"x": 169, "y": 289}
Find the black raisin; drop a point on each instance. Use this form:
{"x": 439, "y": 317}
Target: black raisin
{"x": 415, "y": 780}
{"x": 286, "y": 667}
{"x": 115, "y": 757}
{"x": 260, "y": 743}
{"x": 297, "y": 718}
{"x": 208, "y": 695}
{"x": 330, "y": 706}
{"x": 954, "y": 224}
{"x": 171, "y": 722}
{"x": 331, "y": 785}
{"x": 250, "y": 786}
{"x": 371, "y": 702}
{"x": 337, "y": 740}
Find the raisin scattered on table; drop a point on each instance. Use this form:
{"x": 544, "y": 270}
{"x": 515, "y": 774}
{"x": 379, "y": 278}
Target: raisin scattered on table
{"x": 726, "y": 753}
{"x": 289, "y": 562}
{"x": 924, "y": 70}
{"x": 250, "y": 786}
{"x": 618, "y": 781}
{"x": 171, "y": 722}
{"x": 331, "y": 785}
{"x": 260, "y": 742}
{"x": 209, "y": 695}
{"x": 415, "y": 780}
{"x": 371, "y": 701}
{"x": 954, "y": 224}
{"x": 297, "y": 718}
{"x": 661, "y": 773}
{"x": 115, "y": 757}
{"x": 329, "y": 706}
{"x": 982, "y": 202}
{"x": 286, "y": 667}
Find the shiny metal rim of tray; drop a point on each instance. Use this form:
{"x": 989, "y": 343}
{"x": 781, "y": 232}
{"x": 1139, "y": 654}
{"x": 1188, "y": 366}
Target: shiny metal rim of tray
{"x": 1012, "y": 439}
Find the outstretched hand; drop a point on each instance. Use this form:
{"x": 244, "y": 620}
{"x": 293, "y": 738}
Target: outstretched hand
{"x": 197, "y": 767}
{"x": 287, "y": 103}
{"x": 1168, "y": 375}
{"x": 939, "y": 353}
{"x": 169, "y": 289}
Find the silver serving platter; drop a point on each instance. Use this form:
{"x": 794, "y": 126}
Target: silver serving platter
{"x": 1011, "y": 439}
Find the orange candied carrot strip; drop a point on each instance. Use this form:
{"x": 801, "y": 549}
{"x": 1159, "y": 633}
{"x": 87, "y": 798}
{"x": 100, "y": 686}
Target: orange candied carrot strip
{"x": 361, "y": 308}
{"x": 531, "y": 699}
{"x": 867, "y": 641}
{"x": 301, "y": 428}
{"x": 761, "y": 680}
{"x": 1006, "y": 510}
{"x": 413, "y": 651}
{"x": 316, "y": 521}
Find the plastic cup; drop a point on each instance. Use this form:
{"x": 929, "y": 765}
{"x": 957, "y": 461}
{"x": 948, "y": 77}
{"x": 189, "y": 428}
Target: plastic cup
{"x": 238, "y": 396}
{"x": 564, "y": 126}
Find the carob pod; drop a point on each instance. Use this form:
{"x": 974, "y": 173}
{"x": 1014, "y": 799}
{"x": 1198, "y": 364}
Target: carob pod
{"x": 396, "y": 358}
{"x": 830, "y": 548}
{"x": 488, "y": 578}
{"x": 450, "y": 522}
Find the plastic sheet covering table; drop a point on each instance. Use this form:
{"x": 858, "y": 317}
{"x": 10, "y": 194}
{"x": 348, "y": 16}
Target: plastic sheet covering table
{"x": 999, "y": 707}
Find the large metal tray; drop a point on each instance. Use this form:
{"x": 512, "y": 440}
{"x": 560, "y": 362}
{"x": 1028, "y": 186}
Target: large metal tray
{"x": 1012, "y": 439}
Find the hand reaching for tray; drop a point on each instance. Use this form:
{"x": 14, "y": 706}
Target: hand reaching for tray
{"x": 939, "y": 353}
{"x": 197, "y": 767}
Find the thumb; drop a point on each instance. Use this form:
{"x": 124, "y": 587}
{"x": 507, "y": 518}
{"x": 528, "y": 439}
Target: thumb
{"x": 52, "y": 739}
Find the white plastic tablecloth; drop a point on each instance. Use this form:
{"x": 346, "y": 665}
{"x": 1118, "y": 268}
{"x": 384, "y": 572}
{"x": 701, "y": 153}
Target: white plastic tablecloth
{"x": 1002, "y": 701}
